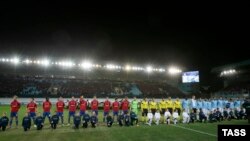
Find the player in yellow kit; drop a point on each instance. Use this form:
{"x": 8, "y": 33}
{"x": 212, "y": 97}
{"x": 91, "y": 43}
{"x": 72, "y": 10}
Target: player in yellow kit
{"x": 144, "y": 109}
{"x": 162, "y": 106}
{"x": 153, "y": 106}
{"x": 169, "y": 105}
{"x": 177, "y": 105}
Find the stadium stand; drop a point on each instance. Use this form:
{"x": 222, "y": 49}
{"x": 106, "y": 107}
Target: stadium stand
{"x": 33, "y": 86}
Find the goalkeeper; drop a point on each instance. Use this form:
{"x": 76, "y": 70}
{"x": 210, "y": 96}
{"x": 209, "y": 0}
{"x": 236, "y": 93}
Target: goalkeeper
{"x": 134, "y": 106}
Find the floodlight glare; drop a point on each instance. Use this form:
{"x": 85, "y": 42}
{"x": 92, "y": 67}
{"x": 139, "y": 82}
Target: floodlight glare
{"x": 149, "y": 69}
{"x": 161, "y": 70}
{"x": 127, "y": 67}
{"x": 45, "y": 62}
{"x": 174, "y": 70}
{"x": 86, "y": 65}
{"x": 66, "y": 63}
{"x": 27, "y": 61}
{"x": 110, "y": 66}
{"x": 15, "y": 60}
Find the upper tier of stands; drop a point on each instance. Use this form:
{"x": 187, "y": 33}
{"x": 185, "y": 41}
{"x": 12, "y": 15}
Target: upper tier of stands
{"x": 31, "y": 86}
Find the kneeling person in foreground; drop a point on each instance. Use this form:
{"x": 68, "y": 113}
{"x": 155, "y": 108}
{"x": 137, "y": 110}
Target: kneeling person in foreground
{"x": 85, "y": 120}
{"x": 54, "y": 121}
{"x": 39, "y": 121}
{"x": 109, "y": 120}
{"x": 4, "y": 121}
{"x": 77, "y": 121}
{"x": 93, "y": 120}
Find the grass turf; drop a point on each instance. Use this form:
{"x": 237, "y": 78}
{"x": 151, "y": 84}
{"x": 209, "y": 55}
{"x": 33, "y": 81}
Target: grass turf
{"x": 199, "y": 131}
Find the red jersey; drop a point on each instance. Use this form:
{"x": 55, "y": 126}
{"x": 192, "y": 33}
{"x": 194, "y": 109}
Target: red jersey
{"x": 47, "y": 106}
{"x": 15, "y": 106}
{"x": 115, "y": 106}
{"x": 83, "y": 105}
{"x": 94, "y": 104}
{"x": 125, "y": 105}
{"x": 72, "y": 105}
{"x": 60, "y": 106}
{"x": 32, "y": 107}
{"x": 106, "y": 106}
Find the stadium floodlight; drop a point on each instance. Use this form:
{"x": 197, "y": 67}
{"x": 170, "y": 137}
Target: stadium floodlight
{"x": 110, "y": 66}
{"x": 86, "y": 65}
{"x": 228, "y": 72}
{"x": 149, "y": 69}
{"x": 97, "y": 65}
{"x": 174, "y": 70}
{"x": 15, "y": 60}
{"x": 45, "y": 62}
{"x": 68, "y": 64}
{"x": 161, "y": 70}
{"x": 3, "y": 60}
{"x": 140, "y": 68}
{"x": 127, "y": 67}
{"x": 27, "y": 61}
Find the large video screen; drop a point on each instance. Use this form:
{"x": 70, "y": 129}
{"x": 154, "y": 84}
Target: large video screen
{"x": 190, "y": 77}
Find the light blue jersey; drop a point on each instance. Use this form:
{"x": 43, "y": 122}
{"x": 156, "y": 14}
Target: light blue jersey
{"x": 199, "y": 104}
{"x": 214, "y": 104}
{"x": 225, "y": 103}
{"x": 220, "y": 104}
{"x": 209, "y": 105}
{"x": 185, "y": 104}
{"x": 237, "y": 104}
{"x": 204, "y": 104}
{"x": 231, "y": 105}
{"x": 193, "y": 103}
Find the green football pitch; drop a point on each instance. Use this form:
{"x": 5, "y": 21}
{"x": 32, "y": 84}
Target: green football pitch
{"x": 179, "y": 132}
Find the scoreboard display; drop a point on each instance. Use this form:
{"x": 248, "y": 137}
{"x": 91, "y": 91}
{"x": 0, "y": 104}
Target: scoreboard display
{"x": 190, "y": 77}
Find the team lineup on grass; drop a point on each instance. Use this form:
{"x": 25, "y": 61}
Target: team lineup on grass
{"x": 124, "y": 113}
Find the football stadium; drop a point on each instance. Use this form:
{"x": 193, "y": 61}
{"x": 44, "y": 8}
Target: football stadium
{"x": 84, "y": 82}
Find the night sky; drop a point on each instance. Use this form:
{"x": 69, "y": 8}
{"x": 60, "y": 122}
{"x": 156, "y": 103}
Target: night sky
{"x": 196, "y": 39}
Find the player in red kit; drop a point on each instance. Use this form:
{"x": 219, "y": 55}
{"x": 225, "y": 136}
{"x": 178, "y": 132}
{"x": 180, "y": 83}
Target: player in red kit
{"x": 59, "y": 108}
{"x": 72, "y": 109}
{"x": 115, "y": 107}
{"x": 31, "y": 108}
{"x": 125, "y": 106}
{"x": 15, "y": 106}
{"x": 94, "y": 105}
{"x": 83, "y": 106}
{"x": 106, "y": 108}
{"x": 46, "y": 108}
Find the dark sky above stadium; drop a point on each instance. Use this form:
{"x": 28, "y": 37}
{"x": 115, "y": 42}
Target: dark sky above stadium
{"x": 195, "y": 38}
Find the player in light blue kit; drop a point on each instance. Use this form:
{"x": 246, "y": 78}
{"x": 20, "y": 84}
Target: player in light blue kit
{"x": 237, "y": 104}
{"x": 185, "y": 105}
{"x": 225, "y": 101}
{"x": 231, "y": 104}
{"x": 193, "y": 104}
{"x": 199, "y": 104}
{"x": 220, "y": 104}
{"x": 214, "y": 104}
{"x": 204, "y": 107}
{"x": 209, "y": 106}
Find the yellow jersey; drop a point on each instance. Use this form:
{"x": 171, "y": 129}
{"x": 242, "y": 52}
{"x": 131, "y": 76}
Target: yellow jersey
{"x": 177, "y": 104}
{"x": 169, "y": 104}
{"x": 153, "y": 105}
{"x": 162, "y": 104}
{"x": 144, "y": 105}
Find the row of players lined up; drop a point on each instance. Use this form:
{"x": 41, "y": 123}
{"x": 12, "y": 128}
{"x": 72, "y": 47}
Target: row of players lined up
{"x": 124, "y": 105}
{"x": 128, "y": 119}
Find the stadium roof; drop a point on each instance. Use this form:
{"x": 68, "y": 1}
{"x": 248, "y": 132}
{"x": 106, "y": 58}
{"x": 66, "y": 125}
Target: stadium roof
{"x": 231, "y": 66}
